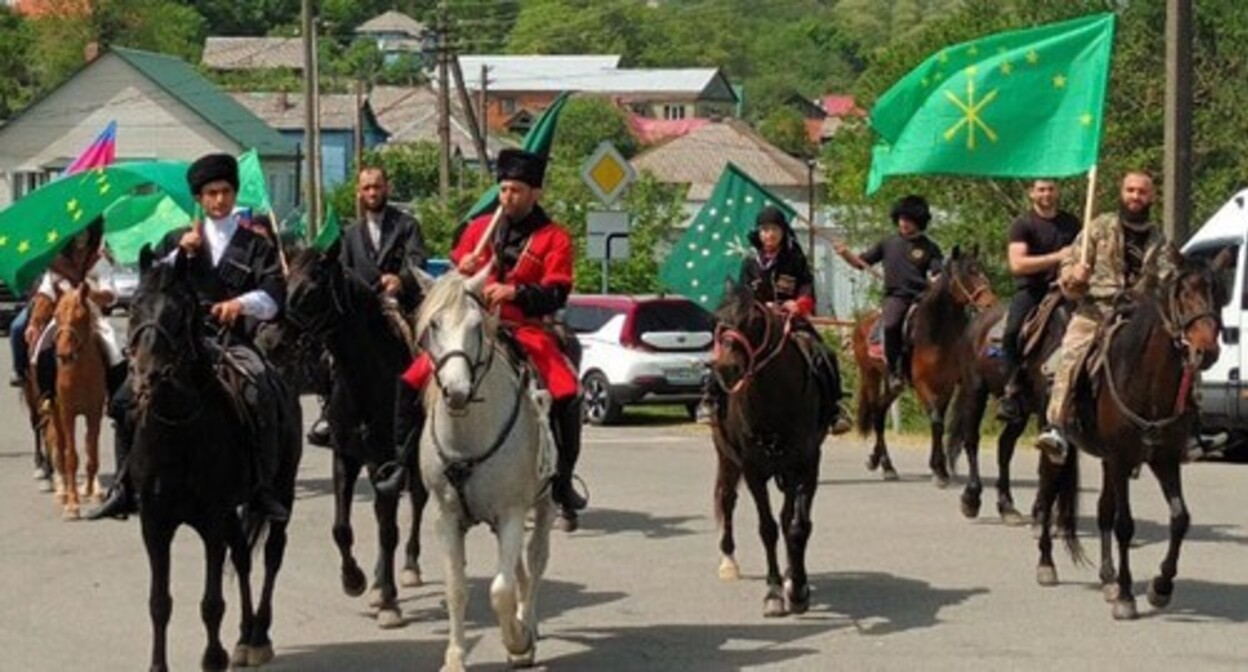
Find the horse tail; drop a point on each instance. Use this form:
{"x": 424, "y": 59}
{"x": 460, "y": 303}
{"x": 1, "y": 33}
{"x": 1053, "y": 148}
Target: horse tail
{"x": 256, "y": 528}
{"x": 868, "y": 382}
{"x": 1067, "y": 518}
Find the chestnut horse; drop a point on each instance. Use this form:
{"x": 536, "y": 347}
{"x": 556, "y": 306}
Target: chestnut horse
{"x": 81, "y": 390}
{"x": 938, "y": 356}
{"x": 1161, "y": 337}
{"x": 38, "y": 415}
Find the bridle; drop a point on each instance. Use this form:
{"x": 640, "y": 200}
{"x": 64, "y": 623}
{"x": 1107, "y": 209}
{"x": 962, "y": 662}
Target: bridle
{"x": 972, "y": 297}
{"x": 325, "y": 323}
{"x": 186, "y": 353}
{"x": 757, "y": 357}
{"x": 478, "y": 363}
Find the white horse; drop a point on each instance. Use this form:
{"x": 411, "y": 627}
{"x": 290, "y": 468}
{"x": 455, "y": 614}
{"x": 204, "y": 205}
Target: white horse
{"x": 486, "y": 455}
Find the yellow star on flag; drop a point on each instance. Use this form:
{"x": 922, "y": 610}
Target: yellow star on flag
{"x": 1033, "y": 57}
{"x": 4, "y": 241}
{"x": 1086, "y": 119}
{"x": 1059, "y": 81}
{"x": 1007, "y": 68}
{"x": 23, "y": 247}
{"x": 72, "y": 205}
{"x": 944, "y": 57}
{"x": 53, "y": 236}
{"x": 973, "y": 51}
{"x": 972, "y": 70}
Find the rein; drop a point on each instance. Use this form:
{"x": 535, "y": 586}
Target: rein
{"x": 754, "y": 363}
{"x": 166, "y": 375}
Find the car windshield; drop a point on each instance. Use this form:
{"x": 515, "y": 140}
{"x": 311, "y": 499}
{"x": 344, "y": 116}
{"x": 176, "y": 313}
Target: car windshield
{"x": 672, "y": 316}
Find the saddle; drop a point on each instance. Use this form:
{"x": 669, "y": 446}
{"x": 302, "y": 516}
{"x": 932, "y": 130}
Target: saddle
{"x": 1037, "y": 322}
{"x": 875, "y": 340}
{"x": 823, "y": 365}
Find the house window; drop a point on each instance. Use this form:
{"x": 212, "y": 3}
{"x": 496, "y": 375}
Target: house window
{"x": 508, "y": 105}
{"x": 673, "y": 111}
{"x": 25, "y": 182}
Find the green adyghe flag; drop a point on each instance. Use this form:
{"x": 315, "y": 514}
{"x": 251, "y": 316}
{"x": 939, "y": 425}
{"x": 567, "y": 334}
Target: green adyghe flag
{"x": 717, "y": 240}
{"x": 330, "y": 231}
{"x": 1024, "y": 103}
{"x": 253, "y": 192}
{"x": 538, "y": 141}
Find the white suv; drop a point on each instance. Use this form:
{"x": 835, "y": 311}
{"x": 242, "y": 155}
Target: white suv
{"x": 639, "y": 350}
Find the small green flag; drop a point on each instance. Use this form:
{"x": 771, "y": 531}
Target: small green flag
{"x": 141, "y": 220}
{"x": 253, "y": 192}
{"x": 1024, "y": 103}
{"x": 538, "y": 141}
{"x": 717, "y": 240}
{"x": 330, "y": 230}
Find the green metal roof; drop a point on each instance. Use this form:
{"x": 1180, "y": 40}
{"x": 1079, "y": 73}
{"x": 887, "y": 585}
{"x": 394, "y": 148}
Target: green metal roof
{"x": 189, "y": 87}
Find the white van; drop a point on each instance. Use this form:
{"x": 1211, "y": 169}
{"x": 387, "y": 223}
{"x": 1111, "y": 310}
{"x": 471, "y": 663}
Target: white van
{"x": 1223, "y": 393}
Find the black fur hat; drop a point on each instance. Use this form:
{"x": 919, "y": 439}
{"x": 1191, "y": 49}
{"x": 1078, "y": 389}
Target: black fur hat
{"x": 210, "y": 168}
{"x": 774, "y": 216}
{"x": 522, "y": 166}
{"x": 913, "y": 208}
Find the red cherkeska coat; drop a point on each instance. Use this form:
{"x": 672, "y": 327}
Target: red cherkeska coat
{"x": 546, "y": 260}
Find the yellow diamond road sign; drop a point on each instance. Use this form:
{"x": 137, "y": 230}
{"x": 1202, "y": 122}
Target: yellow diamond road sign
{"x": 607, "y": 173}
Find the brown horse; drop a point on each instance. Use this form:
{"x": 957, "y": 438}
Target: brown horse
{"x": 988, "y": 377}
{"x": 939, "y": 352}
{"x": 1163, "y": 337}
{"x": 39, "y": 414}
{"x": 80, "y": 391}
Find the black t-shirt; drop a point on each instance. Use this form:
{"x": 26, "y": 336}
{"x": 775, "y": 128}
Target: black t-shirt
{"x": 907, "y": 263}
{"x": 1042, "y": 236}
{"x": 1135, "y": 244}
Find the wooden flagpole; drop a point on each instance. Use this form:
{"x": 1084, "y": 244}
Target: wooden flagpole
{"x": 1088, "y": 204}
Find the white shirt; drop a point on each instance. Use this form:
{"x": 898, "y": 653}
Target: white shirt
{"x": 217, "y": 234}
{"x": 374, "y": 228}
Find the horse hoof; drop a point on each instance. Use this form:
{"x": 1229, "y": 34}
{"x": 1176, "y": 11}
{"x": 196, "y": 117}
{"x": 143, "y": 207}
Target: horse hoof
{"x": 410, "y": 578}
{"x": 890, "y": 474}
{"x": 39, "y": 474}
{"x": 1157, "y": 598}
{"x": 525, "y": 658}
{"x": 1124, "y": 610}
{"x": 45, "y": 485}
{"x": 798, "y": 599}
{"x": 61, "y": 497}
{"x": 773, "y": 607}
{"x": 729, "y": 570}
{"x": 1046, "y": 575}
{"x": 1110, "y": 591}
{"x": 970, "y": 507}
{"x": 259, "y": 655}
{"x": 375, "y": 599}
{"x": 873, "y": 463}
{"x": 215, "y": 658}
{"x": 71, "y": 513}
{"x": 389, "y": 618}
{"x": 1010, "y": 516}
{"x": 353, "y": 582}
{"x": 940, "y": 481}
{"x": 240, "y": 655}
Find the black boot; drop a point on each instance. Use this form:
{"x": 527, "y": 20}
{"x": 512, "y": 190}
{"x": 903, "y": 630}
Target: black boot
{"x": 409, "y": 420}
{"x": 264, "y": 499}
{"x": 120, "y": 501}
{"x": 1009, "y": 406}
{"x": 319, "y": 435}
{"x": 115, "y": 377}
{"x": 565, "y": 419}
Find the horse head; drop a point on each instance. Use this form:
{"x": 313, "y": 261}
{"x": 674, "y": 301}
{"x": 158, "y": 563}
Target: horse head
{"x": 968, "y": 283}
{"x": 1191, "y": 300}
{"x": 743, "y": 334}
{"x": 74, "y": 321}
{"x": 316, "y": 297}
{"x": 457, "y": 332}
{"x": 166, "y": 326}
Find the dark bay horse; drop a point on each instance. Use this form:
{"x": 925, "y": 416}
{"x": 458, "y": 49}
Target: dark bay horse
{"x": 1137, "y": 410}
{"x": 190, "y": 464}
{"x": 939, "y": 355}
{"x": 988, "y": 377}
{"x": 769, "y": 425}
{"x": 332, "y": 305}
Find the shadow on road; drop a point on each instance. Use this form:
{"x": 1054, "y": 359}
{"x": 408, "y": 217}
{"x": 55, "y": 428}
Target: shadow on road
{"x": 338, "y": 656}
{"x": 599, "y": 522}
{"x": 1149, "y": 532}
{"x": 1203, "y": 601}
{"x": 554, "y": 599}
{"x": 688, "y": 647}
{"x": 876, "y": 603}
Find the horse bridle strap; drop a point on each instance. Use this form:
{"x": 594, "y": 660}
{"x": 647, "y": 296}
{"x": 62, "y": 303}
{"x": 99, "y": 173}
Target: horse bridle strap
{"x": 1149, "y": 428}
{"x": 459, "y": 469}
{"x": 753, "y": 363}
{"x": 164, "y": 376}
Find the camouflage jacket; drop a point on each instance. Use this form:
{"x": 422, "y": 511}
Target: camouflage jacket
{"x": 1107, "y": 258}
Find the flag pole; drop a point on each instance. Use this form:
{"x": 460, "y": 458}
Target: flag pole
{"x": 1088, "y": 204}
{"x": 489, "y": 231}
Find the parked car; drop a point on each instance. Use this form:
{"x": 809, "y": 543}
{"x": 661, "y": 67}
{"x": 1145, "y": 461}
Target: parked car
{"x": 639, "y": 350}
{"x": 126, "y": 282}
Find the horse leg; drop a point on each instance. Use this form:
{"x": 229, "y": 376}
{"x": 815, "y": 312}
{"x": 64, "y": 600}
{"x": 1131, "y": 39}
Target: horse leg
{"x": 773, "y": 604}
{"x": 157, "y": 538}
{"x": 1005, "y": 454}
{"x": 418, "y": 496}
{"x": 240, "y": 557}
{"x": 529, "y": 573}
{"x": 795, "y": 517}
{"x": 936, "y": 458}
{"x": 504, "y": 591}
{"x": 1105, "y": 513}
{"x": 1046, "y": 496}
{"x": 727, "y": 480}
{"x": 346, "y": 470}
{"x": 93, "y": 488}
{"x": 385, "y": 593}
{"x": 970, "y": 410}
{"x": 456, "y": 589}
{"x": 212, "y": 606}
{"x": 880, "y": 455}
{"x": 1124, "y": 530}
{"x": 1161, "y": 589}
{"x": 260, "y": 647}
{"x": 69, "y": 465}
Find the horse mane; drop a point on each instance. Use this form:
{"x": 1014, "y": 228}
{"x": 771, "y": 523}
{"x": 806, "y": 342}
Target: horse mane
{"x": 945, "y": 318}
{"x": 447, "y": 294}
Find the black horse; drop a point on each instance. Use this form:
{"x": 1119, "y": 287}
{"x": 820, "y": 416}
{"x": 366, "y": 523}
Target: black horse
{"x": 1161, "y": 336}
{"x": 335, "y": 307}
{"x": 770, "y": 423}
{"x": 988, "y": 377}
{"x": 190, "y": 463}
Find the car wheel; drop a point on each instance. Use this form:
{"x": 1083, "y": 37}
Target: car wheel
{"x": 600, "y": 408}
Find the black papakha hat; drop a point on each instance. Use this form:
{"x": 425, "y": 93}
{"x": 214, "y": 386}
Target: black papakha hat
{"x": 913, "y": 208}
{"x": 210, "y": 168}
{"x": 522, "y": 166}
{"x": 771, "y": 216}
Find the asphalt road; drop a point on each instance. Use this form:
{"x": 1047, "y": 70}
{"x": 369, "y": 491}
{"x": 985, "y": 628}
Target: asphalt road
{"x": 901, "y": 581}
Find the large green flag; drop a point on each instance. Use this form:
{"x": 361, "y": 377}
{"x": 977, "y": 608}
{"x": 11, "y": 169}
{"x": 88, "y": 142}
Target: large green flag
{"x": 538, "y": 141}
{"x": 34, "y": 229}
{"x": 139, "y": 220}
{"x": 717, "y": 240}
{"x": 253, "y": 192}
{"x": 1024, "y": 103}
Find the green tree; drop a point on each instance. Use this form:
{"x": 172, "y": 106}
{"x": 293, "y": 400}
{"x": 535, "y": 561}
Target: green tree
{"x": 586, "y": 121}
{"x": 18, "y": 76}
{"x": 785, "y": 128}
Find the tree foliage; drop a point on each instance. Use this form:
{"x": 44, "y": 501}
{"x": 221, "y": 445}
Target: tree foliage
{"x": 20, "y": 77}
{"x": 785, "y": 128}
{"x": 586, "y": 122}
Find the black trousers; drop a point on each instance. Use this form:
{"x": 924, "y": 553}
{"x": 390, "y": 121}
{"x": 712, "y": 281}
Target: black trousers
{"x": 1023, "y": 302}
{"x": 893, "y": 317}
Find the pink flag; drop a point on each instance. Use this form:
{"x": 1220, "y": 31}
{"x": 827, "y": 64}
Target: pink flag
{"x": 101, "y": 153}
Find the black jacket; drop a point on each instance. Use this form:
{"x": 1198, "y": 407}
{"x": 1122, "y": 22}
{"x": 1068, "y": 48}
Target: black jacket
{"x": 402, "y": 248}
{"x": 787, "y": 277}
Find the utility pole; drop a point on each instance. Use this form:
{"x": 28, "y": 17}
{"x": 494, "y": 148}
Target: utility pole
{"x": 318, "y": 197}
{"x": 309, "y": 118}
{"x": 444, "y": 106}
{"x": 483, "y": 109}
{"x": 359, "y": 136}
{"x": 1178, "y": 131}
{"x": 478, "y": 141}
